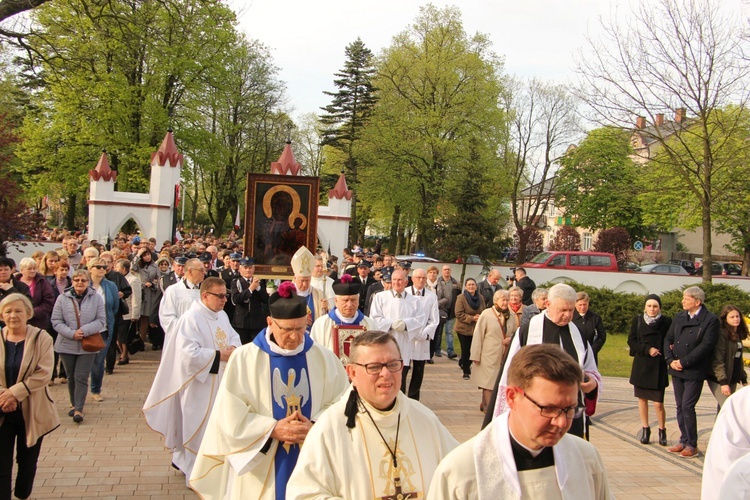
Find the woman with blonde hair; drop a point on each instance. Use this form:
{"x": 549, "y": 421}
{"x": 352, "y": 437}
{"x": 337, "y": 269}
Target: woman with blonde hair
{"x": 48, "y": 266}
{"x": 28, "y": 412}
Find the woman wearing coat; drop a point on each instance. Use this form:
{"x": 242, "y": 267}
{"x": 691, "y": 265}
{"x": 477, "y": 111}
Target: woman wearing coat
{"x": 492, "y": 336}
{"x": 78, "y": 313}
{"x": 42, "y": 295}
{"x": 107, "y": 290}
{"x": 469, "y": 305}
{"x": 727, "y": 369}
{"x": 649, "y": 373}
{"x": 129, "y": 320}
{"x": 28, "y": 412}
{"x": 149, "y": 275}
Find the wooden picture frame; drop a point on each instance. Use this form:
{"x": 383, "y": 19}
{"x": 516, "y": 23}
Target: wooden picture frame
{"x": 281, "y": 215}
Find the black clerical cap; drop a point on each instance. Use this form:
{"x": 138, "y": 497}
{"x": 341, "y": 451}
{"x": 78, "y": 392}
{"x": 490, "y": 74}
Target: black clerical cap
{"x": 286, "y": 304}
{"x": 346, "y": 286}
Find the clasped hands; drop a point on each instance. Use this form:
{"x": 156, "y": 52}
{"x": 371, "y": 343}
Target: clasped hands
{"x": 8, "y": 401}
{"x": 292, "y": 429}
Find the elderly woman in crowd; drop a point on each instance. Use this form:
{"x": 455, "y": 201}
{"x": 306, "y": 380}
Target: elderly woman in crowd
{"x": 589, "y": 324}
{"x": 48, "y": 265}
{"x": 28, "y": 412}
{"x": 514, "y": 302}
{"x": 469, "y": 305}
{"x": 539, "y": 304}
{"x": 149, "y": 274}
{"x": 649, "y": 373}
{"x": 108, "y": 292}
{"x": 492, "y": 336}
{"x": 62, "y": 282}
{"x": 42, "y": 296}
{"x": 129, "y": 320}
{"x": 78, "y": 313}
{"x": 727, "y": 369}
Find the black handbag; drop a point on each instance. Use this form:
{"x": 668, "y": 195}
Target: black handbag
{"x": 124, "y": 309}
{"x": 135, "y": 343}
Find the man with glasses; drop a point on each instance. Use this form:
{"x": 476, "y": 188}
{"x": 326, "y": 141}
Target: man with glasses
{"x": 525, "y": 453}
{"x": 384, "y": 444}
{"x": 554, "y": 326}
{"x": 274, "y": 388}
{"x": 188, "y": 377}
{"x": 178, "y": 298}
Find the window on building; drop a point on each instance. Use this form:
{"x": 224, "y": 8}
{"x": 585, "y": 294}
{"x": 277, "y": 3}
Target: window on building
{"x": 586, "y": 242}
{"x": 550, "y": 209}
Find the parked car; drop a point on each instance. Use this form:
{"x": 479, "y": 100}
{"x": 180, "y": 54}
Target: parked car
{"x": 663, "y": 269}
{"x": 574, "y": 261}
{"x": 726, "y": 269}
{"x": 688, "y": 265}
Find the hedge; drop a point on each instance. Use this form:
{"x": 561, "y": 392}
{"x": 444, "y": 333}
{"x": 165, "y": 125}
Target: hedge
{"x": 617, "y": 309}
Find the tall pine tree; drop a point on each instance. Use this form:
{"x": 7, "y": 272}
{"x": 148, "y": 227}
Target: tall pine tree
{"x": 347, "y": 115}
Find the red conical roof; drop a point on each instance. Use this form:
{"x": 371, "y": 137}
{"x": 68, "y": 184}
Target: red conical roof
{"x": 167, "y": 151}
{"x": 340, "y": 190}
{"x": 287, "y": 164}
{"x": 102, "y": 170}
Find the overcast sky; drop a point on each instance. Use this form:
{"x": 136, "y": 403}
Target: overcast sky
{"x": 537, "y": 38}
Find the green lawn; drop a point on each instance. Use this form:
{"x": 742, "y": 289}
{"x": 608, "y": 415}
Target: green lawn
{"x": 614, "y": 359}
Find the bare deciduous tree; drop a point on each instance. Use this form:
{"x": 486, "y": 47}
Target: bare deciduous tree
{"x": 543, "y": 124}
{"x": 686, "y": 57}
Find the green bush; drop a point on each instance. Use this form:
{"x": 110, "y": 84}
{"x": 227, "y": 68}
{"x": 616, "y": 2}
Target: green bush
{"x": 617, "y": 309}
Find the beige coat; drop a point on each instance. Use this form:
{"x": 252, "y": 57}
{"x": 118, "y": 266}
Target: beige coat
{"x": 464, "y": 315}
{"x": 487, "y": 346}
{"x": 37, "y": 407}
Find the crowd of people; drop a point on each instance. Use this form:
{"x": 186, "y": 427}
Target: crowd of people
{"x": 249, "y": 364}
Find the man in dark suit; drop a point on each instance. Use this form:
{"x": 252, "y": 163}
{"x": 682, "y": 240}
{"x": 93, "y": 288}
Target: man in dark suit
{"x": 175, "y": 275}
{"x": 250, "y": 299}
{"x": 488, "y": 286}
{"x": 688, "y": 350}
{"x": 229, "y": 274}
{"x": 363, "y": 276}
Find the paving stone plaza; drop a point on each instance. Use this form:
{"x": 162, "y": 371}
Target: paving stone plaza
{"x": 113, "y": 454}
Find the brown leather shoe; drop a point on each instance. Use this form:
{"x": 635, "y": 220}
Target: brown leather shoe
{"x": 678, "y": 448}
{"x": 689, "y": 452}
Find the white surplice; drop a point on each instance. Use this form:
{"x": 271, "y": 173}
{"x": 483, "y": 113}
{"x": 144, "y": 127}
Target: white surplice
{"x": 429, "y": 304}
{"x": 232, "y": 462}
{"x": 184, "y": 390}
{"x": 730, "y": 440}
{"x": 585, "y": 357}
{"x": 483, "y": 468}
{"x": 355, "y": 464}
{"x": 387, "y": 308}
{"x": 325, "y": 285}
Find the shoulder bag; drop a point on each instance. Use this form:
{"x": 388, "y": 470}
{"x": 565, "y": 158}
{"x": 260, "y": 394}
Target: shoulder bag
{"x": 92, "y": 343}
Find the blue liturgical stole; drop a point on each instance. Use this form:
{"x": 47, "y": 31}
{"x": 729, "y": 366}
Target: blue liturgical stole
{"x": 290, "y": 391}
{"x": 357, "y": 319}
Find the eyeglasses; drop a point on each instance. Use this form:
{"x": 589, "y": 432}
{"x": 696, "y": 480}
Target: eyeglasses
{"x": 571, "y": 412}
{"x": 80, "y": 280}
{"x": 375, "y": 368}
{"x": 220, "y": 296}
{"x": 286, "y": 329}
{"x": 98, "y": 267}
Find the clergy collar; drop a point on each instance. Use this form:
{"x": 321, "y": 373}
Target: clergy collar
{"x": 343, "y": 318}
{"x": 385, "y": 417}
{"x": 276, "y": 349}
{"x": 206, "y": 311}
{"x": 533, "y": 453}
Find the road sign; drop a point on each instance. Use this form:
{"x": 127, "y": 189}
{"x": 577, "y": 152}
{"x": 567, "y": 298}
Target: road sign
{"x": 638, "y": 246}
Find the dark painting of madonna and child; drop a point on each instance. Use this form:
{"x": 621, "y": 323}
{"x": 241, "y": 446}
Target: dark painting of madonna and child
{"x": 281, "y": 215}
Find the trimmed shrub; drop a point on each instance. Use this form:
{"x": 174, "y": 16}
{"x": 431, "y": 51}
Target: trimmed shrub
{"x": 617, "y": 309}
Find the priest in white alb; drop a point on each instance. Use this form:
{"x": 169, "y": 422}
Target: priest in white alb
{"x": 399, "y": 314}
{"x": 375, "y": 443}
{"x": 179, "y": 297}
{"x": 527, "y": 452}
{"x": 274, "y": 388}
{"x": 337, "y": 329}
{"x": 730, "y": 441}
{"x": 420, "y": 348}
{"x": 554, "y": 326}
{"x": 192, "y": 365}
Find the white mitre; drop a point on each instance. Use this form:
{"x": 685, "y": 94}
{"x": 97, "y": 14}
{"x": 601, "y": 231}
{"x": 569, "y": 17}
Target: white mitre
{"x": 303, "y": 262}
